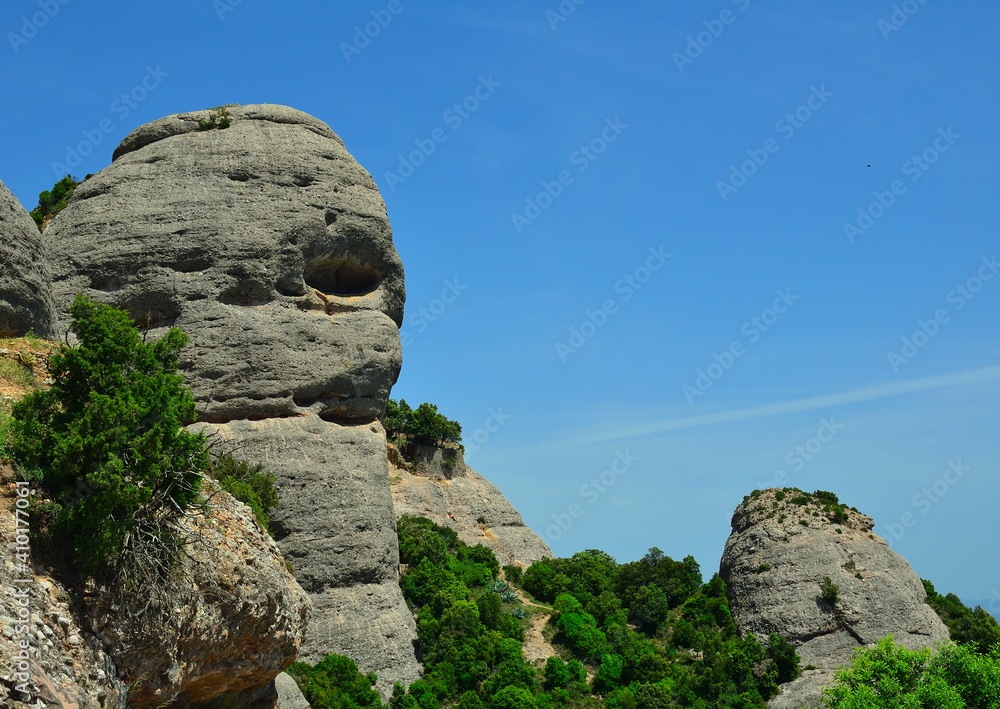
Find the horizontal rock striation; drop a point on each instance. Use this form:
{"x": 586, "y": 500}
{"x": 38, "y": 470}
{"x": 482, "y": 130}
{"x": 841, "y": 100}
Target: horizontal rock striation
{"x": 337, "y": 527}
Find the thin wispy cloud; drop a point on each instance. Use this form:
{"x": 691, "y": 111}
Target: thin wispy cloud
{"x": 872, "y": 393}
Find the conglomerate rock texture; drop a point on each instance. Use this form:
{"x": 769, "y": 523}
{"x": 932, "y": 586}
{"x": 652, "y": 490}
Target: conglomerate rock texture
{"x": 773, "y": 566}
{"x": 89, "y": 645}
{"x": 25, "y": 300}
{"x": 437, "y": 484}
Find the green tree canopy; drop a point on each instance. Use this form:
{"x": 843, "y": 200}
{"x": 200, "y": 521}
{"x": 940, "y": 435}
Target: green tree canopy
{"x": 109, "y": 434}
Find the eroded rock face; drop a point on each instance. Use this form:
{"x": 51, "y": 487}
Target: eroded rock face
{"x": 439, "y": 485}
{"x": 232, "y": 620}
{"x": 337, "y": 526}
{"x": 66, "y": 666}
{"x": 773, "y": 566}
{"x": 25, "y": 298}
{"x": 265, "y": 242}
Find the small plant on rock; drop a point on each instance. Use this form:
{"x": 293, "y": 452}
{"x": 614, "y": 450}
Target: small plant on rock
{"x": 829, "y": 591}
{"x": 217, "y": 118}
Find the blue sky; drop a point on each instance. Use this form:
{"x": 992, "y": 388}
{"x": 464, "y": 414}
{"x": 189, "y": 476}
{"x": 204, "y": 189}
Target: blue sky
{"x": 672, "y": 185}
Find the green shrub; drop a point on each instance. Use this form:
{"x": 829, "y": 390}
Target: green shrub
{"x": 764, "y": 567}
{"x": 786, "y": 660}
{"x": 888, "y": 676}
{"x": 247, "y": 482}
{"x": 966, "y": 625}
{"x": 827, "y": 498}
{"x": 513, "y": 573}
{"x": 109, "y": 437}
{"x": 217, "y": 118}
{"x": 829, "y": 591}
{"x": 423, "y": 425}
{"x": 335, "y": 683}
{"x": 779, "y": 495}
{"x": 51, "y": 202}
{"x": 801, "y": 500}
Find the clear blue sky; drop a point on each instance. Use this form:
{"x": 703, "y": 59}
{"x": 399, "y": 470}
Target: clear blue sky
{"x": 640, "y": 118}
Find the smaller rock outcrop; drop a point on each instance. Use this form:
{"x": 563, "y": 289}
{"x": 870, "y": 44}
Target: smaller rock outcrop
{"x": 783, "y": 545}
{"x": 25, "y": 296}
{"x": 232, "y": 618}
{"x": 436, "y": 483}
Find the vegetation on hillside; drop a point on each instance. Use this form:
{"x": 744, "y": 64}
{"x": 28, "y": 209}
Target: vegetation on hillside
{"x": 107, "y": 441}
{"x": 650, "y": 633}
{"x": 975, "y": 627}
{"x": 888, "y": 676}
{"x": 421, "y": 425}
{"x": 51, "y": 202}
{"x": 108, "y": 447}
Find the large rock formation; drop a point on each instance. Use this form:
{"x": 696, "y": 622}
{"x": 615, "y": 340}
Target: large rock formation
{"x": 773, "y": 565}
{"x": 437, "y": 484}
{"x": 337, "y": 527}
{"x": 25, "y": 300}
{"x": 266, "y": 242}
{"x": 269, "y": 245}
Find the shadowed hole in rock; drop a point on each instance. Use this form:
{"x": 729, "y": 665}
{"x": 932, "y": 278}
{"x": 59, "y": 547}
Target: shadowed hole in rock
{"x": 331, "y": 217}
{"x": 302, "y": 180}
{"x": 151, "y": 314}
{"x": 341, "y": 276}
{"x": 192, "y": 264}
{"x": 290, "y": 287}
{"x": 344, "y": 419}
{"x": 241, "y": 176}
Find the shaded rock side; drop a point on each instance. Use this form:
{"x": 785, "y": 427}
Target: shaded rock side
{"x": 232, "y": 620}
{"x": 337, "y": 527}
{"x": 773, "y": 566}
{"x": 437, "y": 484}
{"x": 289, "y": 694}
{"x": 67, "y": 666}
{"x": 25, "y": 295}
{"x": 91, "y": 647}
{"x": 266, "y": 242}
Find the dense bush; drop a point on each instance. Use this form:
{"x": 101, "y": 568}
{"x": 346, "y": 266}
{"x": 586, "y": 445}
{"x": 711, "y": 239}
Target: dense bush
{"x": 829, "y": 591}
{"x": 966, "y": 625}
{"x": 423, "y": 425}
{"x": 247, "y": 482}
{"x": 888, "y": 676}
{"x": 335, "y": 683}
{"x": 109, "y": 438}
{"x": 51, "y": 202}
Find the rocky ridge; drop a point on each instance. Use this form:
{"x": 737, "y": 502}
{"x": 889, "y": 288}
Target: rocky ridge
{"x": 783, "y": 544}
{"x": 437, "y": 484}
{"x": 25, "y": 299}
